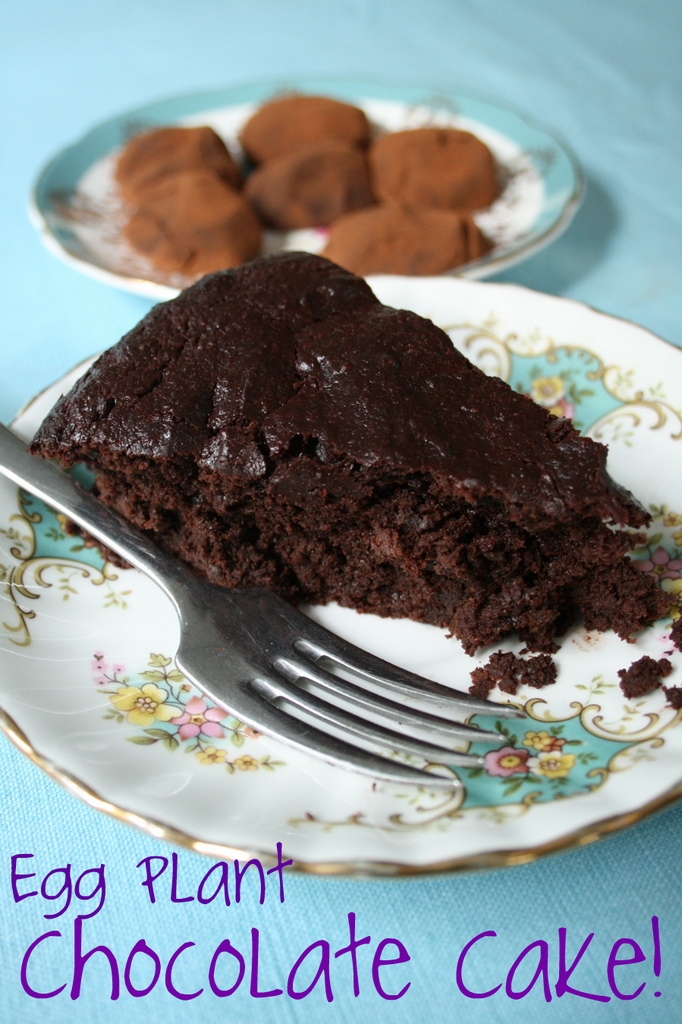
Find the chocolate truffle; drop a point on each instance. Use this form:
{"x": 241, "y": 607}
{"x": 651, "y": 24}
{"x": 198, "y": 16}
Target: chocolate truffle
{"x": 391, "y": 239}
{"x": 441, "y": 167}
{"x": 154, "y": 155}
{"x": 192, "y": 223}
{"x": 311, "y": 187}
{"x": 277, "y": 426}
{"x": 289, "y": 123}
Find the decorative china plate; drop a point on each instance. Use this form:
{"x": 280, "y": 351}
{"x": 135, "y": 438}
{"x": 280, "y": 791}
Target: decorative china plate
{"x": 77, "y": 209}
{"x": 89, "y": 690}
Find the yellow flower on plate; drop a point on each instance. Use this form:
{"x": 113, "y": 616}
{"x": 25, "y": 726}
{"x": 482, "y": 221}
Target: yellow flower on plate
{"x": 246, "y": 763}
{"x": 542, "y": 741}
{"x": 551, "y": 765}
{"x": 677, "y": 537}
{"x": 548, "y": 391}
{"x": 672, "y": 519}
{"x": 211, "y": 755}
{"x": 674, "y": 590}
{"x": 144, "y": 704}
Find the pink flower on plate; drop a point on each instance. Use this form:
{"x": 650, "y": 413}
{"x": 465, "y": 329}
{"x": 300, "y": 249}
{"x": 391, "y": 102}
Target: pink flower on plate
{"x": 661, "y": 565}
{"x": 506, "y": 761}
{"x": 198, "y": 717}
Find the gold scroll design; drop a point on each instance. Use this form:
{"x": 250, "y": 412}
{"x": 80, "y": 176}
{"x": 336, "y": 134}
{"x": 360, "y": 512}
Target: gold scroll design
{"x": 491, "y": 350}
{"x": 432, "y": 810}
{"x": 638, "y": 413}
{"x": 24, "y": 582}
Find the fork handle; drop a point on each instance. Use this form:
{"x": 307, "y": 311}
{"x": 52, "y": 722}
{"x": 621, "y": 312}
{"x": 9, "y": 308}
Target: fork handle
{"x": 58, "y": 490}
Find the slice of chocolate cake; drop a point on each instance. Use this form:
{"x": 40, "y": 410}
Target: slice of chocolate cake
{"x": 277, "y": 426}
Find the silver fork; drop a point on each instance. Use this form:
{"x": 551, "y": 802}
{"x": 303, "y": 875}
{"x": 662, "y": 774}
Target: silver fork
{"x": 271, "y": 666}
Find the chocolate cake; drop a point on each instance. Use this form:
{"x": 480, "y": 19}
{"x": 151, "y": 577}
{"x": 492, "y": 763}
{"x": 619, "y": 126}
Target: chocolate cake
{"x": 390, "y": 239}
{"x": 289, "y": 123}
{"x": 434, "y": 167}
{"x": 277, "y": 426}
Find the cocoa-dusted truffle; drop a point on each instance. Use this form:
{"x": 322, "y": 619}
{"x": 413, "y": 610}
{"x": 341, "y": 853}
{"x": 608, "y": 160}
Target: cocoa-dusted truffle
{"x": 192, "y": 223}
{"x": 289, "y": 123}
{"x": 154, "y": 155}
{"x": 311, "y": 187}
{"x": 441, "y": 167}
{"x": 391, "y": 239}
{"x": 277, "y": 426}
{"x": 643, "y": 676}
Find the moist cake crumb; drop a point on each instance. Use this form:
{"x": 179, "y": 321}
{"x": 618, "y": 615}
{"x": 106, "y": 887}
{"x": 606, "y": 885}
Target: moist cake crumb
{"x": 643, "y": 676}
{"x": 674, "y": 696}
{"x": 508, "y": 672}
{"x": 676, "y": 633}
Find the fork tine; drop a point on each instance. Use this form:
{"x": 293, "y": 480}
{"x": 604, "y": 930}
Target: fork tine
{"x": 371, "y": 733}
{"x": 311, "y": 740}
{"x": 321, "y": 645}
{"x": 239, "y": 691}
{"x": 288, "y": 627}
{"x": 444, "y": 731}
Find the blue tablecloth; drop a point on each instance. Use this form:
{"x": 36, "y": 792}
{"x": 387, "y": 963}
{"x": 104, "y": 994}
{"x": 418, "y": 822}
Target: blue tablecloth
{"x": 606, "y": 76}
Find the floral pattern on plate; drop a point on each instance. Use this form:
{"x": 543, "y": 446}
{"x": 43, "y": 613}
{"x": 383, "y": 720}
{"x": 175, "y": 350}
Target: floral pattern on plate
{"x": 169, "y": 711}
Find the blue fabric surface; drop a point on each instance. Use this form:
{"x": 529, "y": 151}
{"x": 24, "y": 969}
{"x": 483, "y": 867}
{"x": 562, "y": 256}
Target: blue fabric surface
{"x": 604, "y": 75}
